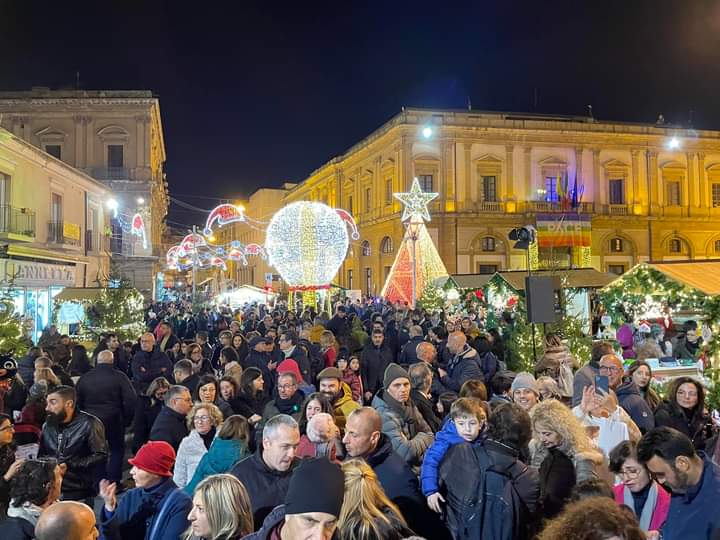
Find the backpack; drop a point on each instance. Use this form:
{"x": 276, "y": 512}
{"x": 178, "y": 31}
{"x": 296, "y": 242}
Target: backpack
{"x": 496, "y": 511}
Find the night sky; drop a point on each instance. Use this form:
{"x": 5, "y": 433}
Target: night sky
{"x": 265, "y": 92}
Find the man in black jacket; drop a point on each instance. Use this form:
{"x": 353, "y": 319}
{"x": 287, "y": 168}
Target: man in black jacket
{"x": 408, "y": 354}
{"x": 170, "y": 425}
{"x": 364, "y": 439}
{"x": 224, "y": 340}
{"x": 183, "y": 375}
{"x": 374, "y": 359}
{"x": 288, "y": 344}
{"x": 259, "y": 358}
{"x": 149, "y": 363}
{"x": 338, "y": 325}
{"x": 266, "y": 474}
{"x": 106, "y": 392}
{"x": 77, "y": 440}
{"x": 421, "y": 377}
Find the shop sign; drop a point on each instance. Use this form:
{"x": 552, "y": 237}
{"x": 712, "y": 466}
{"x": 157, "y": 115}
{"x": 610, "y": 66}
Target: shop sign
{"x": 28, "y": 273}
{"x": 71, "y": 230}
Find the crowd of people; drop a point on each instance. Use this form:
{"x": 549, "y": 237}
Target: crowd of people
{"x": 374, "y": 422}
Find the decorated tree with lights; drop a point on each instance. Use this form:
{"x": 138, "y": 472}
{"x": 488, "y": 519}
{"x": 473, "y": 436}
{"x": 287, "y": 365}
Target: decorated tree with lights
{"x": 417, "y": 254}
{"x": 12, "y": 337}
{"x": 432, "y": 299}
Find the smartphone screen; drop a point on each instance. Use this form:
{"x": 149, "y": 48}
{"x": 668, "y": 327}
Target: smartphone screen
{"x": 602, "y": 383}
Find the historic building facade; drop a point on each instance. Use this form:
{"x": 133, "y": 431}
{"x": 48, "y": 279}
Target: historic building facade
{"x": 116, "y": 137}
{"x": 650, "y": 192}
{"x": 49, "y": 213}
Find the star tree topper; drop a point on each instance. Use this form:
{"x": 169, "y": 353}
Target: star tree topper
{"x": 415, "y": 202}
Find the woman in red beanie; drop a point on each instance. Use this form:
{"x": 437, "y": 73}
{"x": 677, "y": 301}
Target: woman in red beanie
{"x": 154, "y": 510}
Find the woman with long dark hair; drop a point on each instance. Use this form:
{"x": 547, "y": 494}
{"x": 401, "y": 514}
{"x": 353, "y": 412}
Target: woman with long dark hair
{"x": 684, "y": 410}
{"x": 146, "y": 411}
{"x": 250, "y": 399}
{"x": 641, "y": 374}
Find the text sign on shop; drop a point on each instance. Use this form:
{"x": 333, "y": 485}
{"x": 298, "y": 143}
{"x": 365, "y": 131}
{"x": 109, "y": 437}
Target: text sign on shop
{"x": 27, "y": 273}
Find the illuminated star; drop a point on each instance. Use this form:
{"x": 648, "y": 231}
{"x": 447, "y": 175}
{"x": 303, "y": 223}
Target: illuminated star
{"x": 415, "y": 202}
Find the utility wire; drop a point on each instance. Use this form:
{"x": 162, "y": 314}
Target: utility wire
{"x": 188, "y": 206}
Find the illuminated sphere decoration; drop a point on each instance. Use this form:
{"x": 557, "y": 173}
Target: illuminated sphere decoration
{"x": 307, "y": 242}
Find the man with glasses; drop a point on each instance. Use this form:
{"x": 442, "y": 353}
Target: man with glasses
{"x": 149, "y": 363}
{"x": 628, "y": 394}
{"x": 288, "y": 345}
{"x": 289, "y": 399}
{"x": 170, "y": 425}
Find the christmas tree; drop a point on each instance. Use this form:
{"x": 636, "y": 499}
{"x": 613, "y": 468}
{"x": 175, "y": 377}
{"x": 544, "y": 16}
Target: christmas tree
{"x": 12, "y": 338}
{"x": 427, "y": 262}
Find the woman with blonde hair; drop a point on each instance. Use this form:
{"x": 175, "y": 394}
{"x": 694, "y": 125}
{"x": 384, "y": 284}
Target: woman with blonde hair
{"x": 221, "y": 510}
{"x": 563, "y": 452}
{"x": 367, "y": 513}
{"x": 46, "y": 374}
{"x": 203, "y": 420}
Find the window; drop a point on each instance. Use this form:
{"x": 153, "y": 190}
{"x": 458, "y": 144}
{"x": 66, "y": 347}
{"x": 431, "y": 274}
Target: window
{"x": 386, "y": 272}
{"x": 675, "y": 245}
{"x": 616, "y": 244}
{"x": 4, "y": 189}
{"x": 716, "y": 245}
{"x": 350, "y": 278}
{"x": 488, "y": 244}
{"x": 426, "y": 182}
{"x": 386, "y": 246}
{"x": 388, "y": 191}
{"x": 115, "y": 156}
{"x": 489, "y": 187}
{"x": 368, "y": 280}
{"x": 673, "y": 193}
{"x": 368, "y": 199}
{"x": 617, "y": 191}
{"x": 716, "y": 195}
{"x": 618, "y": 269}
{"x": 54, "y": 150}
{"x": 487, "y": 268}
{"x": 350, "y": 204}
{"x": 551, "y": 193}
{"x": 366, "y": 248}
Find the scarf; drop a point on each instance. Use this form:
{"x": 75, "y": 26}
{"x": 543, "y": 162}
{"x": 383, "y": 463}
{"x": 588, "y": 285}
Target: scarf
{"x": 455, "y": 359}
{"x": 289, "y": 406}
{"x": 405, "y": 412}
{"x": 648, "y": 509}
{"x": 208, "y": 437}
{"x": 28, "y": 511}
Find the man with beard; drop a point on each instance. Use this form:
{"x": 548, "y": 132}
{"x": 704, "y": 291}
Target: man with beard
{"x": 77, "y": 440}
{"x": 330, "y": 383}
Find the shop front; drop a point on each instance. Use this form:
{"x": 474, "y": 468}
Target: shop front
{"x": 33, "y": 285}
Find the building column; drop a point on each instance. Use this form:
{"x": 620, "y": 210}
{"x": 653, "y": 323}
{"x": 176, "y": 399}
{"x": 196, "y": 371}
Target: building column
{"x": 89, "y": 140}
{"x": 527, "y": 165}
{"x": 686, "y": 185}
{"x": 468, "y": 184}
{"x": 450, "y": 176}
{"x": 79, "y": 141}
{"x": 509, "y": 177}
{"x": 598, "y": 181}
{"x": 637, "y": 198}
{"x": 693, "y": 182}
{"x": 703, "y": 183}
{"x": 579, "y": 175}
{"x": 655, "y": 193}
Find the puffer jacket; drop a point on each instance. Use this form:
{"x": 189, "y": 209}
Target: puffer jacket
{"x": 445, "y": 438}
{"x": 462, "y": 367}
{"x": 343, "y": 405}
{"x": 409, "y": 434}
{"x": 629, "y": 398}
{"x": 81, "y": 445}
{"x": 192, "y": 450}
{"x": 223, "y": 454}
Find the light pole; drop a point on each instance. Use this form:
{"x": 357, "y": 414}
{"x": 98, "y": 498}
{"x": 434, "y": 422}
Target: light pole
{"x": 413, "y": 228}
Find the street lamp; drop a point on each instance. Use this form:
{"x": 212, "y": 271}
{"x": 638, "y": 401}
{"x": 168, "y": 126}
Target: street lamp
{"x": 674, "y": 143}
{"x": 112, "y": 205}
{"x": 427, "y": 132}
{"x": 413, "y": 230}
{"x": 141, "y": 200}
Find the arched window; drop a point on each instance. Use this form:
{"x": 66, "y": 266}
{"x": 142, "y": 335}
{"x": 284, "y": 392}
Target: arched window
{"x": 616, "y": 245}
{"x": 675, "y": 245}
{"x": 717, "y": 246}
{"x": 366, "y": 248}
{"x": 386, "y": 246}
{"x": 488, "y": 244}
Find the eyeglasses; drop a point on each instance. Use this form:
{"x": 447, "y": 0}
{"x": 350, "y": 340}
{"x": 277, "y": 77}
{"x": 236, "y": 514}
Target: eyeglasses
{"x": 629, "y": 473}
{"x": 611, "y": 369}
{"x": 286, "y": 386}
{"x": 202, "y": 418}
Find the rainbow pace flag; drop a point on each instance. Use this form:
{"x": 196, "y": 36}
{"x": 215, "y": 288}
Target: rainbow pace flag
{"x": 564, "y": 230}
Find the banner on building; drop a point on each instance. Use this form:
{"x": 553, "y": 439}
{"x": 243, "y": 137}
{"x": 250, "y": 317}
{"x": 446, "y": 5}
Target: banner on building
{"x": 564, "y": 230}
{"x": 71, "y": 230}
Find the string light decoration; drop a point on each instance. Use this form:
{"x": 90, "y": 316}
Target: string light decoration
{"x": 428, "y": 264}
{"x": 195, "y": 250}
{"x": 224, "y": 214}
{"x": 307, "y": 242}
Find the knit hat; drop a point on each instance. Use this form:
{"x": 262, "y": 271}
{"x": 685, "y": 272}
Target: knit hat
{"x": 258, "y": 339}
{"x": 328, "y": 489}
{"x": 330, "y": 373}
{"x": 8, "y": 367}
{"x": 525, "y": 380}
{"x": 38, "y": 391}
{"x": 155, "y": 457}
{"x": 289, "y": 366}
{"x": 392, "y": 372}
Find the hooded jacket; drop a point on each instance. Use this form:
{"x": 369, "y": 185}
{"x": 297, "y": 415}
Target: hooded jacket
{"x": 629, "y": 398}
{"x": 343, "y": 405}
{"x": 223, "y": 454}
{"x": 409, "y": 434}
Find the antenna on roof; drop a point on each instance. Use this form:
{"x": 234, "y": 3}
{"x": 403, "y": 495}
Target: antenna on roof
{"x": 691, "y": 113}
{"x": 469, "y": 104}
{"x": 590, "y": 113}
{"x": 77, "y": 80}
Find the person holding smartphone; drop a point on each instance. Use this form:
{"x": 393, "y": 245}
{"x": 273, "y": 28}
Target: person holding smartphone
{"x": 628, "y": 394}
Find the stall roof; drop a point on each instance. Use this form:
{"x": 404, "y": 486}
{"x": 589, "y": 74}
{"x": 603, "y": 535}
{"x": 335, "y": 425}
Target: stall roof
{"x": 577, "y": 278}
{"x": 79, "y": 293}
{"x": 471, "y": 281}
{"x": 700, "y": 275}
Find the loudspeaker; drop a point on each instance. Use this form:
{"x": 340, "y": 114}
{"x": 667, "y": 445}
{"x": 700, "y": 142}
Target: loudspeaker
{"x": 542, "y": 297}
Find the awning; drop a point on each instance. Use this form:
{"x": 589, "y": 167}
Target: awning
{"x": 21, "y": 250}
{"x": 575, "y": 278}
{"x": 471, "y": 281}
{"x": 79, "y": 294}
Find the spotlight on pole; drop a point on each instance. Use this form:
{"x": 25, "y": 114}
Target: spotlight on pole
{"x": 674, "y": 143}
{"x": 523, "y": 236}
{"x": 427, "y": 132}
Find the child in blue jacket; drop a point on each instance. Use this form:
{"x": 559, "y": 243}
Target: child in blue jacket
{"x": 467, "y": 422}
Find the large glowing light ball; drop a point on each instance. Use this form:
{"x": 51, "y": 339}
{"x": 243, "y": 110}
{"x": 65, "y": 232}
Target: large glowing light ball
{"x": 307, "y": 242}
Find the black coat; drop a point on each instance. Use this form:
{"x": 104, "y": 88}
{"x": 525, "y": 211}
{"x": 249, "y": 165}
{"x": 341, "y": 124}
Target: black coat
{"x": 7, "y": 458}
{"x": 671, "y": 415}
{"x": 106, "y": 392}
{"x": 267, "y": 488}
{"x": 373, "y": 362}
{"x": 146, "y": 367}
{"x": 427, "y": 410}
{"x": 191, "y": 383}
{"x": 247, "y": 405}
{"x": 260, "y": 360}
{"x": 146, "y": 411}
{"x": 17, "y": 529}
{"x": 61, "y": 374}
{"x": 169, "y": 426}
{"x": 401, "y": 486}
{"x": 408, "y": 355}
{"x": 303, "y": 362}
{"x": 557, "y": 478}
{"x": 81, "y": 445}
{"x": 338, "y": 326}
{"x": 122, "y": 362}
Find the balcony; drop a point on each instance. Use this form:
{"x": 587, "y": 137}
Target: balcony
{"x": 489, "y": 206}
{"x": 110, "y": 173}
{"x": 16, "y": 223}
{"x": 618, "y": 210}
{"x": 64, "y": 233}
{"x": 96, "y": 242}
{"x": 555, "y": 207}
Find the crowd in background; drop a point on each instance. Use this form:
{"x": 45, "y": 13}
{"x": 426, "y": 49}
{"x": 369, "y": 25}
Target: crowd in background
{"x": 374, "y": 421}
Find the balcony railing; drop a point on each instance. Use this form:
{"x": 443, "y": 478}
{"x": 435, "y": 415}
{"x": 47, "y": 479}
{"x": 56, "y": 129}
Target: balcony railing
{"x": 618, "y": 210}
{"x": 56, "y": 234}
{"x": 489, "y": 206}
{"x": 17, "y": 220}
{"x": 551, "y": 207}
{"x": 110, "y": 173}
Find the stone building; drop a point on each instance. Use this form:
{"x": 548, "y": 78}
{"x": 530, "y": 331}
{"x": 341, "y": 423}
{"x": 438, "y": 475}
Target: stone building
{"x": 115, "y": 137}
{"x": 649, "y": 191}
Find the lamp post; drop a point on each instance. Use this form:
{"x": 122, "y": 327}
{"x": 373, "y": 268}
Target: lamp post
{"x": 413, "y": 229}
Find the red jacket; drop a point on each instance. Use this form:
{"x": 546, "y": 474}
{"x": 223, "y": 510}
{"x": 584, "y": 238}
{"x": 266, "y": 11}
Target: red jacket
{"x": 353, "y": 380}
{"x": 662, "y": 506}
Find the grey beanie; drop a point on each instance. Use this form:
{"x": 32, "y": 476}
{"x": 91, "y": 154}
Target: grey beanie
{"x": 392, "y": 372}
{"x": 525, "y": 380}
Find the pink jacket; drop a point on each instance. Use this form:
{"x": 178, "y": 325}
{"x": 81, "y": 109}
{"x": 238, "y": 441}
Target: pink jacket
{"x": 661, "y": 506}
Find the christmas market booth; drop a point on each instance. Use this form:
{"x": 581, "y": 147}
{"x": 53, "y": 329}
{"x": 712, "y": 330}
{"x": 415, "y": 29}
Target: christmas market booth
{"x": 85, "y": 312}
